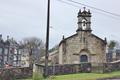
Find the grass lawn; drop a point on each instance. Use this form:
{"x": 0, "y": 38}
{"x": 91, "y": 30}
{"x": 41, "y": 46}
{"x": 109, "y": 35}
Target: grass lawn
{"x": 83, "y": 76}
{"x": 24, "y": 79}
{"x": 86, "y": 76}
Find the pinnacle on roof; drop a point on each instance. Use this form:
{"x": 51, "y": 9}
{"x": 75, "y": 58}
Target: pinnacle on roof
{"x": 84, "y": 12}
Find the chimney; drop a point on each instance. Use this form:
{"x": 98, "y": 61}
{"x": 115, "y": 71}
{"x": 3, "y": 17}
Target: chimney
{"x": 0, "y": 36}
{"x": 7, "y": 37}
{"x": 105, "y": 40}
{"x": 63, "y": 37}
{"x": 12, "y": 39}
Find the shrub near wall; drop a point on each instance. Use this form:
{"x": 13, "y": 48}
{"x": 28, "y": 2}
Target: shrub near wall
{"x": 12, "y": 73}
{"x": 7, "y": 75}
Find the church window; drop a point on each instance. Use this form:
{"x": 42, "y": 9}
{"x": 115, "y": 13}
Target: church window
{"x": 84, "y": 39}
{"x": 83, "y": 58}
{"x": 84, "y": 24}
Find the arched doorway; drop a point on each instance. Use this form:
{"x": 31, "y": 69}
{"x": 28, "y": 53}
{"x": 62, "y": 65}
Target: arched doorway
{"x": 83, "y": 58}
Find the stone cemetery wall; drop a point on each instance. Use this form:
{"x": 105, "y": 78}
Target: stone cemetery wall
{"x": 113, "y": 66}
{"x": 78, "y": 68}
{"x": 64, "y": 69}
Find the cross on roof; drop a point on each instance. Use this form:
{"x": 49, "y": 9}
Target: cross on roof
{"x": 84, "y": 8}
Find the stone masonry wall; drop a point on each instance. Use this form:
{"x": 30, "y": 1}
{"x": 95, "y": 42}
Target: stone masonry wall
{"x": 93, "y": 46}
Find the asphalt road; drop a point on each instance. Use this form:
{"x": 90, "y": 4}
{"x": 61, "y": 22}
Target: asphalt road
{"x": 116, "y": 78}
{"x": 112, "y": 79}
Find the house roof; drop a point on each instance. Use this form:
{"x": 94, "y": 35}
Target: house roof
{"x": 118, "y": 51}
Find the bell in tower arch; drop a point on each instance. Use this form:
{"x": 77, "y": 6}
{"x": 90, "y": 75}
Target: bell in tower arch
{"x": 84, "y": 20}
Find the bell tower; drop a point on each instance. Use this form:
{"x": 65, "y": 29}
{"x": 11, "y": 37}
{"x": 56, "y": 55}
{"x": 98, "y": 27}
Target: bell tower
{"x": 84, "y": 21}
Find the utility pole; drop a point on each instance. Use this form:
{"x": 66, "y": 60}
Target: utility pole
{"x": 47, "y": 40}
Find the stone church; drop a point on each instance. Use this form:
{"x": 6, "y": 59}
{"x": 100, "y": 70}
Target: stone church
{"x": 84, "y": 46}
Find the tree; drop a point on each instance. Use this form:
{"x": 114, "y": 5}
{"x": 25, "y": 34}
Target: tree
{"x": 36, "y": 48}
{"x": 117, "y": 46}
{"x": 54, "y": 48}
{"x": 112, "y": 44}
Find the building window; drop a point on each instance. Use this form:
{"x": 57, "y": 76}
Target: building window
{"x": 1, "y": 51}
{"x": 20, "y": 51}
{"x": 1, "y": 58}
{"x": 84, "y": 39}
{"x": 14, "y": 63}
{"x": 19, "y": 58}
{"x": 15, "y": 57}
{"x": 84, "y": 24}
{"x": 6, "y": 51}
{"x": 83, "y": 58}
{"x": 5, "y": 58}
{"x": 15, "y": 51}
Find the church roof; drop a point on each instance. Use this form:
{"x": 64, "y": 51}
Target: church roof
{"x": 99, "y": 38}
{"x": 77, "y": 34}
{"x": 66, "y": 38}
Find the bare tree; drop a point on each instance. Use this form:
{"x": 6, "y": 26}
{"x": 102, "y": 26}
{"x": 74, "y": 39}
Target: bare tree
{"x": 36, "y": 48}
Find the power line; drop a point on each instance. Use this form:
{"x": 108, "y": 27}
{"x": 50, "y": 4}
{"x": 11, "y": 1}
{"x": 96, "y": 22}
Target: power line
{"x": 68, "y": 3}
{"x": 71, "y": 4}
{"x": 114, "y": 14}
{"x": 95, "y": 8}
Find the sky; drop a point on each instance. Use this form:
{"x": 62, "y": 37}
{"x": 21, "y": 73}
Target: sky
{"x": 27, "y": 18}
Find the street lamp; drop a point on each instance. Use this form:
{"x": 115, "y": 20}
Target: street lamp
{"x": 47, "y": 40}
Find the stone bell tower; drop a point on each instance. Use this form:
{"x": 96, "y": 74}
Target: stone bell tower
{"x": 84, "y": 27}
{"x": 84, "y": 21}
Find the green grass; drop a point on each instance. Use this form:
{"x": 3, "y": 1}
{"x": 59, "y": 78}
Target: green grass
{"x": 82, "y": 76}
{"x": 24, "y": 79}
{"x": 86, "y": 76}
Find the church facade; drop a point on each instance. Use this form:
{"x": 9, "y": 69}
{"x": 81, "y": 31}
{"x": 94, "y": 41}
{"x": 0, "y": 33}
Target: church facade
{"x": 82, "y": 46}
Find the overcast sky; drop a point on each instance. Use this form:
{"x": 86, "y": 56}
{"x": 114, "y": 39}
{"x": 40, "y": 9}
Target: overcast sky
{"x": 27, "y": 18}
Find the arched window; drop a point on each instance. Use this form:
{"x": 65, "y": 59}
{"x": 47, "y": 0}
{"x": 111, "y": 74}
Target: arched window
{"x": 84, "y": 24}
{"x": 83, "y": 58}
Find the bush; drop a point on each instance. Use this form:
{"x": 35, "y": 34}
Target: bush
{"x": 7, "y": 75}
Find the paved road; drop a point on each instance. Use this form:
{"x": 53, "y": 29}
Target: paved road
{"x": 112, "y": 79}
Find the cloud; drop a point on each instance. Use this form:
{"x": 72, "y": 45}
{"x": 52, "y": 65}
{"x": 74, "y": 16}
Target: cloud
{"x": 24, "y": 18}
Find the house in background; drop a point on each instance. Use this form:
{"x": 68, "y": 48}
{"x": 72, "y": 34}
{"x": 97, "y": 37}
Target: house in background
{"x": 1, "y": 52}
{"x": 12, "y": 55}
{"x": 24, "y": 57}
{"x": 113, "y": 55}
